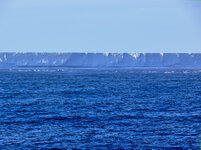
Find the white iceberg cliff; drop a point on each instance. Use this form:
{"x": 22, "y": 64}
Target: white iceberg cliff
{"x": 170, "y": 60}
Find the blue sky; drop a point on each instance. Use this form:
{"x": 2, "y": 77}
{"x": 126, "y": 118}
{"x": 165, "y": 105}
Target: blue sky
{"x": 100, "y": 26}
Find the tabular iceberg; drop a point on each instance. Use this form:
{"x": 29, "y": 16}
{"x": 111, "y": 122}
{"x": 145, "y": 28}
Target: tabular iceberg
{"x": 170, "y": 60}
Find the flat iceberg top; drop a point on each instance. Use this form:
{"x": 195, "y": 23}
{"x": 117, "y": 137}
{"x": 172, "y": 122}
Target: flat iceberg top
{"x": 170, "y": 60}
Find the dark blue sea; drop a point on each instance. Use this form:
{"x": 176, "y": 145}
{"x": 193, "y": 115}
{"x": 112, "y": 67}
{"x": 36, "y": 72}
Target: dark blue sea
{"x": 100, "y": 109}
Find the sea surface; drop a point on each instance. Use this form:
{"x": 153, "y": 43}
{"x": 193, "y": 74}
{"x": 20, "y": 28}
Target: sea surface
{"x": 100, "y": 109}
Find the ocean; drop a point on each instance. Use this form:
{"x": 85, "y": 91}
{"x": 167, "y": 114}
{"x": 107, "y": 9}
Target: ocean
{"x": 100, "y": 109}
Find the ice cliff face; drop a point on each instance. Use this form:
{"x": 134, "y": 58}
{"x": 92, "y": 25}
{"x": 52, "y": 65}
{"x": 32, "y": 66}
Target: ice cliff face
{"x": 178, "y": 60}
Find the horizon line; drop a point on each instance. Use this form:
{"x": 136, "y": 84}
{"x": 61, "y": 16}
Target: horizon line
{"x": 109, "y": 52}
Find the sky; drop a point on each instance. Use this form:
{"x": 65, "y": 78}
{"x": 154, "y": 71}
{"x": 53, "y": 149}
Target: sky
{"x": 100, "y": 26}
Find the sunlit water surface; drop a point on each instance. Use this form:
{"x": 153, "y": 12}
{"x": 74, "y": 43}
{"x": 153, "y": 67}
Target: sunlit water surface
{"x": 100, "y": 109}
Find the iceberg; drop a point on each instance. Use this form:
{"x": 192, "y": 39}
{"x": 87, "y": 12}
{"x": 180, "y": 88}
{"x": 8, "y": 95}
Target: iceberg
{"x": 157, "y": 60}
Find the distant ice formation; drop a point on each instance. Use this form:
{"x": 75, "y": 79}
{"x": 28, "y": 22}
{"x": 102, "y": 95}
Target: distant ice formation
{"x": 170, "y": 60}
